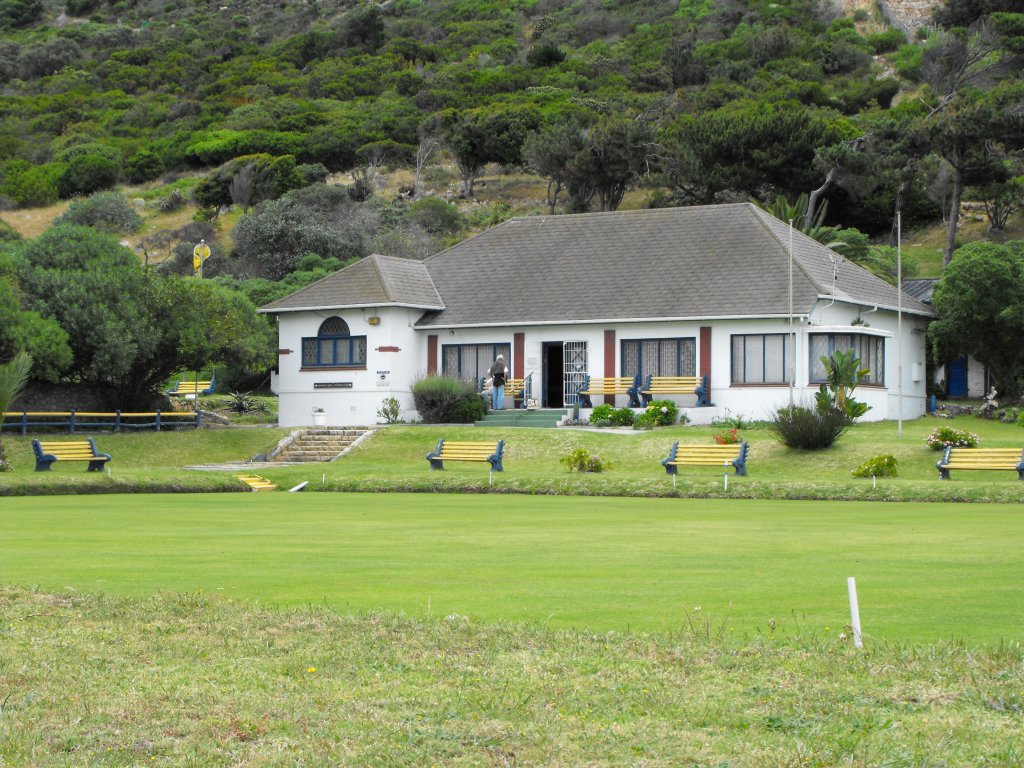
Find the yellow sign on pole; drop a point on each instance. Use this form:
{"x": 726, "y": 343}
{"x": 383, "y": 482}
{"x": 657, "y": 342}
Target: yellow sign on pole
{"x": 200, "y": 254}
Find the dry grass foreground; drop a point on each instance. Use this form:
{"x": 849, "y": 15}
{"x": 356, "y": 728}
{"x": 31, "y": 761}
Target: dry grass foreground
{"x": 183, "y": 680}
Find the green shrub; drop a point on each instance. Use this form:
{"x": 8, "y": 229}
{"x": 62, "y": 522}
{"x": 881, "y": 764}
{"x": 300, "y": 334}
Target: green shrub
{"x": 883, "y": 465}
{"x": 436, "y": 216}
{"x": 602, "y": 412}
{"x": 86, "y": 174}
{"x": 809, "y": 429}
{"x": 106, "y": 211}
{"x": 389, "y": 410}
{"x": 444, "y": 400}
{"x": 658, "y": 413}
{"x": 143, "y": 166}
{"x": 580, "y": 460}
{"x": 886, "y": 42}
{"x": 943, "y": 437}
{"x": 623, "y": 417}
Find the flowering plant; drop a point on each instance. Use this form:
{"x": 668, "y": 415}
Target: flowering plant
{"x": 727, "y": 437}
{"x": 943, "y": 437}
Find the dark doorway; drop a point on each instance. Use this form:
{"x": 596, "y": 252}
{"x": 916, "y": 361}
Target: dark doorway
{"x": 554, "y": 375}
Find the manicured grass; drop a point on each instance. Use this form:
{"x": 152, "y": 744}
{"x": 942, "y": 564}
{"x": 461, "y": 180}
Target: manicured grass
{"x": 142, "y": 462}
{"x": 180, "y": 680}
{"x": 926, "y": 572}
{"x": 394, "y": 460}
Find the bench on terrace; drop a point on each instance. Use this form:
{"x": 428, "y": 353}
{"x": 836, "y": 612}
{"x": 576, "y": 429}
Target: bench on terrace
{"x": 49, "y": 451}
{"x": 447, "y": 450}
{"x": 610, "y": 385}
{"x": 676, "y": 385}
{"x": 981, "y": 458}
{"x": 731, "y": 455}
{"x": 183, "y": 388}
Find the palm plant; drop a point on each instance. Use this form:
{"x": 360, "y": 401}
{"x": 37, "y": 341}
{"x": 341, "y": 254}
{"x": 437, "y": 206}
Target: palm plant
{"x": 13, "y": 377}
{"x": 842, "y": 375}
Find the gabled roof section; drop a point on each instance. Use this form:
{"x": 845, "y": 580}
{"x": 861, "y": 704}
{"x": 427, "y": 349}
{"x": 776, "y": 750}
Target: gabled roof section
{"x": 376, "y": 281}
{"x": 669, "y": 263}
{"x": 920, "y": 288}
{"x": 836, "y": 276}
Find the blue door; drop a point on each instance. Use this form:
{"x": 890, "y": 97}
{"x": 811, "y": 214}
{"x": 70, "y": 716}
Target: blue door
{"x": 957, "y": 378}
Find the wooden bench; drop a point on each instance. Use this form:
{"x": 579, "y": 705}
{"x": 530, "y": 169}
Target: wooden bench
{"x": 515, "y": 389}
{"x": 81, "y": 450}
{"x": 981, "y": 458}
{"x": 676, "y": 385}
{"x": 734, "y": 455}
{"x": 183, "y": 388}
{"x": 467, "y": 451}
{"x": 610, "y": 385}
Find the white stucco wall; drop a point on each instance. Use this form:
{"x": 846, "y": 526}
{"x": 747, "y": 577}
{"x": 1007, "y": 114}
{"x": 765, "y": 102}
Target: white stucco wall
{"x": 387, "y": 373}
{"x": 358, "y": 405}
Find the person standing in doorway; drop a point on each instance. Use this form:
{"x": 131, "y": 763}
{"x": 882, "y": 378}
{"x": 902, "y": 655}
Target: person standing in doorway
{"x": 499, "y": 375}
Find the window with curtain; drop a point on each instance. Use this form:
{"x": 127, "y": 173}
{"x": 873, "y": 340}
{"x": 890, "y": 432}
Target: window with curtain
{"x": 334, "y": 347}
{"x": 761, "y": 358}
{"x": 870, "y": 350}
{"x": 471, "y": 361}
{"x": 659, "y": 357}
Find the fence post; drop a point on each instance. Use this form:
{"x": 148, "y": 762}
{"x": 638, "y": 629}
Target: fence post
{"x": 198, "y": 417}
{"x": 117, "y": 420}
{"x": 24, "y": 422}
{"x": 157, "y": 419}
{"x": 71, "y": 422}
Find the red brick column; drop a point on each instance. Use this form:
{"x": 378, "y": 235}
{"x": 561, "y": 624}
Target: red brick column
{"x": 518, "y": 355}
{"x": 431, "y": 354}
{"x": 609, "y": 361}
{"x": 705, "y": 353}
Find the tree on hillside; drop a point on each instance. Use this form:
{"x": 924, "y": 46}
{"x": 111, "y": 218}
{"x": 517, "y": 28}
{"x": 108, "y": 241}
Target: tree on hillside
{"x": 127, "y": 329}
{"x": 21, "y": 329}
{"x": 478, "y": 137}
{"x": 974, "y": 135}
{"x": 980, "y": 302}
{"x": 321, "y": 219}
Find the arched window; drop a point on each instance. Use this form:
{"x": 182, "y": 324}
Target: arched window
{"x": 334, "y": 347}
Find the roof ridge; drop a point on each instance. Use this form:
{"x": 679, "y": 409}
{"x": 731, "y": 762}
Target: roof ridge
{"x": 757, "y": 211}
{"x": 374, "y": 259}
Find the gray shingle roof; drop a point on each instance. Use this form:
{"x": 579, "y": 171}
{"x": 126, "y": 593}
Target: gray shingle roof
{"x": 668, "y": 263}
{"x": 374, "y": 281}
{"x": 920, "y": 288}
{"x": 697, "y": 262}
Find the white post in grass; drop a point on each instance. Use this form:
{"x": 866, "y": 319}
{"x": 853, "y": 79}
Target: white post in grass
{"x": 792, "y": 336}
{"x": 851, "y": 586}
{"x": 725, "y": 476}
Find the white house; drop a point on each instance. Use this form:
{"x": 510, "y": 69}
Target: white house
{"x": 726, "y": 291}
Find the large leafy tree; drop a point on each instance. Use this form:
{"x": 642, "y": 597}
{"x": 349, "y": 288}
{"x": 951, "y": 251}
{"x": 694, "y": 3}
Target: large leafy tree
{"x": 980, "y": 302}
{"x": 129, "y": 330}
{"x": 481, "y": 136}
{"x": 21, "y": 329}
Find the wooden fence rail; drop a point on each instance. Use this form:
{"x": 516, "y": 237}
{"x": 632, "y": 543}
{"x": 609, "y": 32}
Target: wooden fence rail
{"x": 115, "y": 420}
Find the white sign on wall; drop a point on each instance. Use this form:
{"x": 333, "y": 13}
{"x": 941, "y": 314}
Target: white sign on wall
{"x": 383, "y": 378}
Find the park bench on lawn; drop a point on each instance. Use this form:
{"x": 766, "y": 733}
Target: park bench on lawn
{"x": 610, "y": 385}
{"x": 467, "y": 451}
{"x": 981, "y": 458}
{"x": 676, "y": 385}
{"x": 183, "y": 388}
{"x": 60, "y": 450}
{"x": 734, "y": 455}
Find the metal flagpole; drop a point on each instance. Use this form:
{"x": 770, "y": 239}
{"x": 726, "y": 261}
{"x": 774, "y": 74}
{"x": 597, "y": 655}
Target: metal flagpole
{"x": 899, "y": 325}
{"x": 792, "y": 337}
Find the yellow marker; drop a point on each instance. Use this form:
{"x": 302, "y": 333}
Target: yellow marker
{"x": 199, "y": 254}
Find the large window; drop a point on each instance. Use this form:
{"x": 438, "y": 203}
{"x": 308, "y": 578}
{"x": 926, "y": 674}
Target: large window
{"x": 471, "y": 361}
{"x": 659, "y": 357}
{"x": 761, "y": 358}
{"x": 334, "y": 347}
{"x": 870, "y": 350}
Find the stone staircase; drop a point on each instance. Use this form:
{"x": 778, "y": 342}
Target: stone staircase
{"x": 317, "y": 444}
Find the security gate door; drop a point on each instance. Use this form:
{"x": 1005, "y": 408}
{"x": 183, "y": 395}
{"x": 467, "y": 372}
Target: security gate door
{"x": 574, "y": 356}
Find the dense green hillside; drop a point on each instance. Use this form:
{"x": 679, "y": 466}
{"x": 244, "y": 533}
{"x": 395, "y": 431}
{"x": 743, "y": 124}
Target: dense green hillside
{"x": 222, "y": 123}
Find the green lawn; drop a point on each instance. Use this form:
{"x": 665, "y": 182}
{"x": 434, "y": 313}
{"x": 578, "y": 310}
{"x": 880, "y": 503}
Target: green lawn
{"x": 926, "y": 572}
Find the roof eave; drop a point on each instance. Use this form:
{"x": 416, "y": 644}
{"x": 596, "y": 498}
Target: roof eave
{"x": 334, "y": 307}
